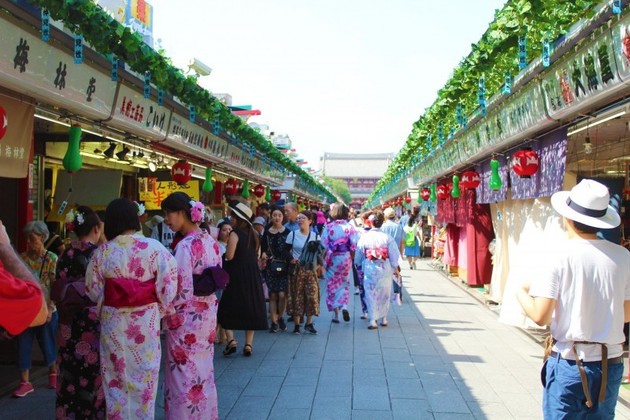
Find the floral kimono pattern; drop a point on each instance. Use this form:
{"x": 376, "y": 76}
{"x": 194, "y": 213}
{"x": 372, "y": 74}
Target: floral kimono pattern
{"x": 340, "y": 240}
{"x": 189, "y": 388}
{"x": 79, "y": 386}
{"x": 130, "y": 335}
{"x": 377, "y": 255}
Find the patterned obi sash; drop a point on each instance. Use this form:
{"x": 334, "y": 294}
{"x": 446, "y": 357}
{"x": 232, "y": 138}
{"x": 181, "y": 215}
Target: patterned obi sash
{"x": 339, "y": 246}
{"x": 376, "y": 254}
{"x": 123, "y": 293}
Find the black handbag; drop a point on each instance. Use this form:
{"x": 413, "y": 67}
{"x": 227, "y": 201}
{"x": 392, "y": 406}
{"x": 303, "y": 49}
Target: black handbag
{"x": 276, "y": 266}
{"x": 210, "y": 280}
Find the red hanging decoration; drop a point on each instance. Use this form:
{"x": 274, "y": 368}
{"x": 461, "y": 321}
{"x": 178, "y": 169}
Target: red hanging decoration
{"x": 230, "y": 187}
{"x": 259, "y": 190}
{"x": 470, "y": 180}
{"x": 443, "y": 191}
{"x": 407, "y": 199}
{"x": 300, "y": 200}
{"x": 525, "y": 163}
{"x": 181, "y": 172}
{"x": 425, "y": 193}
{"x": 276, "y": 195}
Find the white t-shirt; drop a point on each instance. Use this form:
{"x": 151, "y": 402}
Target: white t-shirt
{"x": 299, "y": 242}
{"x": 590, "y": 280}
{"x": 167, "y": 234}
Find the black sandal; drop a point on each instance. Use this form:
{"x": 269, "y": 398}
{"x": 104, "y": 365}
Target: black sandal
{"x": 229, "y": 348}
{"x": 247, "y": 350}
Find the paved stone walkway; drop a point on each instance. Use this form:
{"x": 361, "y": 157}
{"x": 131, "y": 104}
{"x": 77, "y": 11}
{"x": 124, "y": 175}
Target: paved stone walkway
{"x": 444, "y": 355}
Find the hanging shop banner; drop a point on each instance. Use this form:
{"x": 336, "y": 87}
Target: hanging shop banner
{"x": 31, "y": 66}
{"x": 158, "y": 191}
{"x": 552, "y": 158}
{"x": 139, "y": 115}
{"x": 16, "y": 136}
{"x": 183, "y": 132}
{"x": 581, "y": 77}
{"x": 234, "y": 155}
{"x": 621, "y": 42}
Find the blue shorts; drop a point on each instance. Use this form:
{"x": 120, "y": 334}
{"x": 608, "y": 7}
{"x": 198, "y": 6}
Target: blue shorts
{"x": 563, "y": 396}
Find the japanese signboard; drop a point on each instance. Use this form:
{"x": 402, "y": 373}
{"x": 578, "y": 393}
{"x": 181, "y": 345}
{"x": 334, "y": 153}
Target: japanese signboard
{"x": 16, "y": 131}
{"x": 142, "y": 116}
{"x": 157, "y": 191}
{"x": 185, "y": 133}
{"x": 31, "y": 66}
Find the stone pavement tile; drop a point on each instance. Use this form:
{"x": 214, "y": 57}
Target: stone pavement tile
{"x": 505, "y": 383}
{"x": 372, "y": 361}
{"x": 334, "y": 388}
{"x": 521, "y": 405}
{"x": 290, "y": 413}
{"x": 336, "y": 366}
{"x": 370, "y": 375}
{"x": 291, "y": 396}
{"x": 477, "y": 389}
{"x": 333, "y": 408}
{"x": 490, "y": 410}
{"x": 369, "y": 396}
{"x": 228, "y": 395}
{"x": 273, "y": 368}
{"x": 453, "y": 416}
{"x": 400, "y": 370}
{"x": 302, "y": 376}
{"x": 263, "y": 386}
{"x": 403, "y": 409}
{"x": 430, "y": 364}
{"x": 371, "y": 414}
{"x": 405, "y": 388}
{"x": 233, "y": 376}
{"x": 248, "y": 408}
{"x": 396, "y": 355}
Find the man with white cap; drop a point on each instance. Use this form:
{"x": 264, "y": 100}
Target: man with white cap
{"x": 583, "y": 292}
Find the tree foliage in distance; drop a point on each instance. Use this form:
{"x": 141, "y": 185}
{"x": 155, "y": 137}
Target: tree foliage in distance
{"x": 340, "y": 188}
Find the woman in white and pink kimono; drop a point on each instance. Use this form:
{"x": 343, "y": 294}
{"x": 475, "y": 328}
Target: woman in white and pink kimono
{"x": 133, "y": 281}
{"x": 377, "y": 255}
{"x": 189, "y": 388}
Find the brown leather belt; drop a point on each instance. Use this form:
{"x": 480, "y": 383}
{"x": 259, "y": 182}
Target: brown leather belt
{"x": 611, "y": 361}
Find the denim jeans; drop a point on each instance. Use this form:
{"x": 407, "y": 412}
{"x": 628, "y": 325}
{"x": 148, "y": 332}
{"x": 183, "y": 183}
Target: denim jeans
{"x": 46, "y": 336}
{"x": 563, "y": 396}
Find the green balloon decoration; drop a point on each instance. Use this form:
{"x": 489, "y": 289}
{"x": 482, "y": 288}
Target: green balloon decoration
{"x": 268, "y": 194}
{"x": 433, "y": 196}
{"x": 72, "y": 159}
{"x": 245, "y": 192}
{"x": 455, "y": 193}
{"x": 207, "y": 184}
{"x": 495, "y": 179}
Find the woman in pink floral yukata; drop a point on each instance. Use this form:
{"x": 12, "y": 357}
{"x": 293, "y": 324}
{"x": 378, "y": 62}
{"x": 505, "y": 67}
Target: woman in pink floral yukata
{"x": 133, "y": 281}
{"x": 189, "y": 388}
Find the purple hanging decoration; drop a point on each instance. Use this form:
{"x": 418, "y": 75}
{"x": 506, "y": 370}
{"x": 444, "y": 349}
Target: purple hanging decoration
{"x": 147, "y": 84}
{"x": 78, "y": 49}
{"x": 616, "y": 7}
{"x": 114, "y": 69}
{"x": 45, "y": 25}
{"x": 522, "y": 51}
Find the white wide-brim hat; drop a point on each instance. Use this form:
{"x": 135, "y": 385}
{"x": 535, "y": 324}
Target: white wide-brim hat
{"x": 241, "y": 210}
{"x": 587, "y": 203}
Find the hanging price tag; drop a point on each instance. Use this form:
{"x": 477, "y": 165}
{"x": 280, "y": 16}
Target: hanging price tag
{"x": 546, "y": 52}
{"x": 522, "y": 52}
{"x": 507, "y": 86}
{"x": 147, "y": 84}
{"x": 78, "y": 49}
{"x": 45, "y": 25}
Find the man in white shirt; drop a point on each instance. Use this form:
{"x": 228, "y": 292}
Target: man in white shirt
{"x": 161, "y": 231}
{"x": 583, "y": 292}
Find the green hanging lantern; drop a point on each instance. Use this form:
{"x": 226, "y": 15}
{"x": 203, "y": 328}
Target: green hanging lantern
{"x": 72, "y": 159}
{"x": 495, "y": 179}
{"x": 433, "y": 196}
{"x": 455, "y": 193}
{"x": 268, "y": 194}
{"x": 207, "y": 184}
{"x": 245, "y": 193}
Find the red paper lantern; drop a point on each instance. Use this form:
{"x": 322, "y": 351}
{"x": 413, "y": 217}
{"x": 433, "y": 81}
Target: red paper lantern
{"x": 259, "y": 190}
{"x": 276, "y": 195}
{"x": 470, "y": 180}
{"x": 230, "y": 187}
{"x": 407, "y": 199}
{"x": 181, "y": 172}
{"x": 300, "y": 200}
{"x": 525, "y": 163}
{"x": 425, "y": 193}
{"x": 442, "y": 191}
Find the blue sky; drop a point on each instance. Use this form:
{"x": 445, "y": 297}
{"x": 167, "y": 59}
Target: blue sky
{"x": 343, "y": 76}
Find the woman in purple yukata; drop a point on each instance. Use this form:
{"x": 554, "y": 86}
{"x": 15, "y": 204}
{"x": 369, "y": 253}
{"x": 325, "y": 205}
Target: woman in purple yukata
{"x": 189, "y": 388}
{"x": 133, "y": 281}
{"x": 377, "y": 254}
{"x": 340, "y": 240}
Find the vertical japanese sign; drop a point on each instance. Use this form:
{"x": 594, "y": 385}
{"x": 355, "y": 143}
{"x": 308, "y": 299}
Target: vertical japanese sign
{"x": 16, "y": 131}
